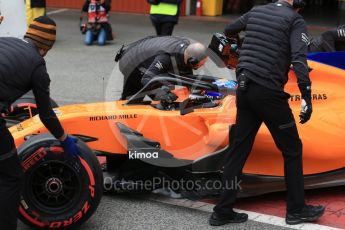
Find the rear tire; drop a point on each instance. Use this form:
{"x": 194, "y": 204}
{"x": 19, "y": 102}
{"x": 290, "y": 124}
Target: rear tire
{"x": 59, "y": 191}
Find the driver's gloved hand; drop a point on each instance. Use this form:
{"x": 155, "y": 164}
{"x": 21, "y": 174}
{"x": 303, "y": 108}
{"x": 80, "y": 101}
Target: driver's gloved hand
{"x": 306, "y": 105}
{"x": 70, "y": 147}
{"x": 169, "y": 97}
{"x": 164, "y": 94}
{"x": 166, "y": 97}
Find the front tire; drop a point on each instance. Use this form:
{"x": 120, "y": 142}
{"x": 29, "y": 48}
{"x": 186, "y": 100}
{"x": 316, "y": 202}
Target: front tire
{"x": 59, "y": 191}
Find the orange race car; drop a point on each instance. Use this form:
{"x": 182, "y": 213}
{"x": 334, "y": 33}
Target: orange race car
{"x": 177, "y": 142}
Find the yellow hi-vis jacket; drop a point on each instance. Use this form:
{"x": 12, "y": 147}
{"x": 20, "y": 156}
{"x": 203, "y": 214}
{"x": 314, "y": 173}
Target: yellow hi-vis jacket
{"x": 164, "y": 8}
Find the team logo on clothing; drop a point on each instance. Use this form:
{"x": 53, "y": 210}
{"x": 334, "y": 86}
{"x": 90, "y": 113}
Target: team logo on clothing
{"x": 305, "y": 39}
{"x": 159, "y": 65}
{"x": 341, "y": 32}
{"x": 220, "y": 48}
{"x": 24, "y": 40}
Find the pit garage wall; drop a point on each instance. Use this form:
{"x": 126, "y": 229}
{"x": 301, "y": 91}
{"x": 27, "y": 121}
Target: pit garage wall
{"x": 126, "y": 6}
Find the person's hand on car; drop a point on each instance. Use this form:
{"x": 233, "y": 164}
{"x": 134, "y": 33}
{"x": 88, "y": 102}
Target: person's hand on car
{"x": 69, "y": 144}
{"x": 306, "y": 111}
{"x": 306, "y": 105}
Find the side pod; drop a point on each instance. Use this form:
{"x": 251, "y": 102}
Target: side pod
{"x": 149, "y": 151}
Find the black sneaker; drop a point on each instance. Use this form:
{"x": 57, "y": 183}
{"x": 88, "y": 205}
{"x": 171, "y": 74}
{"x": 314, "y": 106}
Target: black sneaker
{"x": 233, "y": 217}
{"x": 308, "y": 213}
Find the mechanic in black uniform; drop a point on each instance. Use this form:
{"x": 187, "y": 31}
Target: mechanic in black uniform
{"x": 22, "y": 69}
{"x": 142, "y": 60}
{"x": 329, "y": 41}
{"x": 164, "y": 15}
{"x": 276, "y": 36}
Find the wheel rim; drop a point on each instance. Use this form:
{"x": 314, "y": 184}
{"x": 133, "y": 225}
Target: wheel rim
{"x": 54, "y": 187}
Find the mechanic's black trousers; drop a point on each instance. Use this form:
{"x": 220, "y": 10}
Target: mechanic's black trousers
{"x": 10, "y": 180}
{"x": 256, "y": 105}
{"x": 163, "y": 28}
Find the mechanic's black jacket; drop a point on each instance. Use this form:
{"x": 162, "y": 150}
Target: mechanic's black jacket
{"x": 329, "y": 41}
{"x": 153, "y": 56}
{"x": 276, "y": 37}
{"x": 167, "y": 18}
{"x": 22, "y": 68}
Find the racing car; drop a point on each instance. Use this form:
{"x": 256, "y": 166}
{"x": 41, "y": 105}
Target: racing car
{"x": 184, "y": 137}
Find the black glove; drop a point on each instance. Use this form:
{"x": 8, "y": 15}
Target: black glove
{"x": 164, "y": 94}
{"x": 166, "y": 97}
{"x": 306, "y": 105}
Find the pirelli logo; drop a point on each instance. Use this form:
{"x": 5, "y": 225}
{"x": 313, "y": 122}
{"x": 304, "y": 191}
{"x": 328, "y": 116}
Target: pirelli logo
{"x": 34, "y": 158}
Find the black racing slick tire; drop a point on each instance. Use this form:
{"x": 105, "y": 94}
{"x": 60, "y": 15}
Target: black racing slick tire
{"x": 60, "y": 191}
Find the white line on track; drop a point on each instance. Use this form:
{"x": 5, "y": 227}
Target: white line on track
{"x": 254, "y": 216}
{"x": 56, "y": 11}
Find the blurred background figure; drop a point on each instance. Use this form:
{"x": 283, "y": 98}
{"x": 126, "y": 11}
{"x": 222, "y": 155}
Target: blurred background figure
{"x": 1, "y": 17}
{"x": 238, "y": 6}
{"x": 164, "y": 15}
{"x": 329, "y": 47}
{"x": 97, "y": 26}
{"x": 329, "y": 41}
{"x": 34, "y": 9}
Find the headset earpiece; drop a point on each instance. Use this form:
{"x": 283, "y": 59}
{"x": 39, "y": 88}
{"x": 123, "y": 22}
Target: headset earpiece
{"x": 193, "y": 61}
